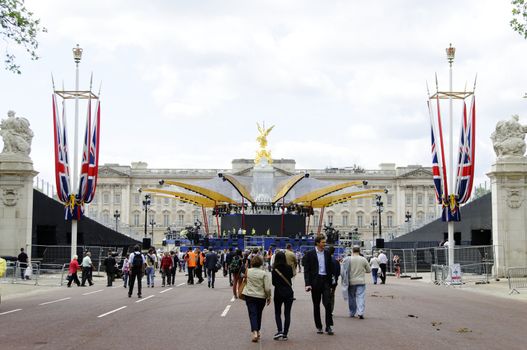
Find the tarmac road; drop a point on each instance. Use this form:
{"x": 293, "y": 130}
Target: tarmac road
{"x": 402, "y": 314}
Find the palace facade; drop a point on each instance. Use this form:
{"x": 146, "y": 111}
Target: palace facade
{"x": 409, "y": 203}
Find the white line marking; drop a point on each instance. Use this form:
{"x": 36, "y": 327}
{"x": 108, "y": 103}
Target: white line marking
{"x": 143, "y": 299}
{"x": 55, "y": 301}
{"x": 111, "y": 312}
{"x": 9, "y": 312}
{"x": 95, "y": 291}
{"x": 166, "y": 290}
{"x": 232, "y": 299}
{"x": 225, "y": 311}
{"x": 180, "y": 284}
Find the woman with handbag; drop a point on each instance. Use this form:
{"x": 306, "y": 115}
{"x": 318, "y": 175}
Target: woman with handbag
{"x": 257, "y": 294}
{"x": 283, "y": 294}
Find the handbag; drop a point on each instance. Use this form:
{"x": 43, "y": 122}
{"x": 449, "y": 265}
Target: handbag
{"x": 286, "y": 281}
{"x": 242, "y": 285}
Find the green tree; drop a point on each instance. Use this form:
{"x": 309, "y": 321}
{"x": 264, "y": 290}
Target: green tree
{"x": 19, "y": 27}
{"x": 519, "y": 17}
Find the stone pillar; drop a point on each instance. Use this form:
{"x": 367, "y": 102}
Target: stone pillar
{"x": 509, "y": 212}
{"x": 16, "y": 203}
{"x": 509, "y": 189}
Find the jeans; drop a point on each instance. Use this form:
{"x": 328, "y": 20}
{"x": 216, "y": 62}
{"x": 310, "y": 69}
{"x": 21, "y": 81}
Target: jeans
{"x": 356, "y": 299}
{"x": 288, "y": 304}
{"x": 125, "y": 278}
{"x": 255, "y": 308}
{"x": 150, "y": 276}
{"x": 190, "y": 279}
{"x": 374, "y": 275}
{"x": 211, "y": 276}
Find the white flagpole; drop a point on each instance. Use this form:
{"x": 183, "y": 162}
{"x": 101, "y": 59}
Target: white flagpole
{"x": 77, "y": 55}
{"x": 451, "y": 243}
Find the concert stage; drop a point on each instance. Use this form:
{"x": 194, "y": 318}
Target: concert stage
{"x": 294, "y": 225}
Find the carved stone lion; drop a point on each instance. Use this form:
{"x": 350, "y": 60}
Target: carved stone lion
{"x": 16, "y": 134}
{"x": 509, "y": 138}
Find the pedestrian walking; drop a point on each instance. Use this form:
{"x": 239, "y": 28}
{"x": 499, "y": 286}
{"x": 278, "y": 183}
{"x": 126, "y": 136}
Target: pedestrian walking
{"x": 318, "y": 270}
{"x": 211, "y": 262}
{"x": 72, "y": 271}
{"x": 109, "y": 264}
{"x": 383, "y": 261}
{"x": 126, "y": 271}
{"x": 354, "y": 269}
{"x": 281, "y": 278}
{"x": 137, "y": 268}
{"x": 22, "y": 263}
{"x": 257, "y": 294}
{"x": 228, "y": 260}
{"x": 190, "y": 259}
{"x": 87, "y": 267}
{"x": 397, "y": 265}
{"x": 175, "y": 262}
{"x": 375, "y": 267}
{"x": 151, "y": 262}
{"x": 235, "y": 270}
{"x": 167, "y": 262}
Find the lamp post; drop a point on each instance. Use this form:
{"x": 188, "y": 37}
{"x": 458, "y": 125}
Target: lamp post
{"x": 116, "y": 215}
{"x": 146, "y": 203}
{"x": 373, "y": 224}
{"x": 77, "y": 56}
{"x": 152, "y": 223}
{"x": 379, "y": 204}
{"x": 450, "y": 54}
{"x": 408, "y": 216}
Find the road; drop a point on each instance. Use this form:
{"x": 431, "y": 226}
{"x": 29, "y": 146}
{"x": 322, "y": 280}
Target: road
{"x": 403, "y": 314}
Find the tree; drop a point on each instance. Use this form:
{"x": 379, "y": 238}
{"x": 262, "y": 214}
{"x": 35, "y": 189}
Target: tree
{"x": 18, "y": 26}
{"x": 519, "y": 17}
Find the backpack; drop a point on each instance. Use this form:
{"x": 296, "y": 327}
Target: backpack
{"x": 137, "y": 261}
{"x": 235, "y": 265}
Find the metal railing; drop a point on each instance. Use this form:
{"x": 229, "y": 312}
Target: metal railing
{"x": 517, "y": 277}
{"x": 36, "y": 273}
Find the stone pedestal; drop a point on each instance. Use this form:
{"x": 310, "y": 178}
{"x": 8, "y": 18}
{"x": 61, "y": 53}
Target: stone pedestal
{"x": 509, "y": 212}
{"x": 16, "y": 203}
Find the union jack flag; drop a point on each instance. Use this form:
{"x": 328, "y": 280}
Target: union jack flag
{"x": 83, "y": 180}
{"x": 62, "y": 173}
{"x": 465, "y": 167}
{"x": 436, "y": 168}
{"x": 93, "y": 161}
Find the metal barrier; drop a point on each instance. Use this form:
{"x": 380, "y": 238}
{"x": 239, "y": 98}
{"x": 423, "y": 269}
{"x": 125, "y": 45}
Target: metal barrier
{"x": 37, "y": 273}
{"x": 440, "y": 274}
{"x": 517, "y": 277}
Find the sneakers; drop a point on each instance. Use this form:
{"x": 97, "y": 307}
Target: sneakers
{"x": 361, "y": 317}
{"x": 320, "y": 331}
{"x": 278, "y": 336}
{"x": 284, "y": 337}
{"x": 329, "y": 330}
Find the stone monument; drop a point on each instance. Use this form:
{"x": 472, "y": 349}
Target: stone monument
{"x": 509, "y": 190}
{"x": 16, "y": 186}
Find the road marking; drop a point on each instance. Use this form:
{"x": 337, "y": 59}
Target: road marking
{"x": 180, "y": 284}
{"x": 166, "y": 290}
{"x": 111, "y": 312}
{"x": 224, "y": 313}
{"x": 232, "y": 299}
{"x": 143, "y": 299}
{"x": 95, "y": 291}
{"x": 55, "y": 301}
{"x": 9, "y": 312}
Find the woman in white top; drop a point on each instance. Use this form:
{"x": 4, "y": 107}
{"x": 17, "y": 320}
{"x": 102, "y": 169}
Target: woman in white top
{"x": 375, "y": 267}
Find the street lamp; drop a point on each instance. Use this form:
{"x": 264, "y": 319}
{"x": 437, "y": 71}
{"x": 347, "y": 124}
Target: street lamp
{"x": 146, "y": 203}
{"x": 379, "y": 204}
{"x": 152, "y": 223}
{"x": 116, "y": 216}
{"x": 408, "y": 216}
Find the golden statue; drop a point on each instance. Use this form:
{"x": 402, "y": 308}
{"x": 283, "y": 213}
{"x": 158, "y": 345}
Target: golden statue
{"x": 262, "y": 140}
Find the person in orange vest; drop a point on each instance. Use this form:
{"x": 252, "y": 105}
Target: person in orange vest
{"x": 190, "y": 259}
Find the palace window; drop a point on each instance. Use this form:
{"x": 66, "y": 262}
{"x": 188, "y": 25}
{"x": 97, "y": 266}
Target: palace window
{"x": 117, "y": 198}
{"x": 419, "y": 199}
{"x": 166, "y": 219}
{"x": 389, "y": 200}
{"x": 136, "y": 219}
{"x": 389, "y": 220}
{"x": 360, "y": 220}
{"x": 345, "y": 220}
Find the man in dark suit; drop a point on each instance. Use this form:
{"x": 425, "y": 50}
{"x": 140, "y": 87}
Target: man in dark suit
{"x": 318, "y": 273}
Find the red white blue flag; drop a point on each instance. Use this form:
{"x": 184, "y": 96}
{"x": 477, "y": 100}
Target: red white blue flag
{"x": 62, "y": 173}
{"x": 465, "y": 167}
{"x": 93, "y": 158}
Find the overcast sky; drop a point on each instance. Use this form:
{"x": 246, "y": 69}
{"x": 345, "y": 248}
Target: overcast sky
{"x": 184, "y": 82}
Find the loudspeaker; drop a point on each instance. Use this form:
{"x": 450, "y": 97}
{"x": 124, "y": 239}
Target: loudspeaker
{"x": 379, "y": 243}
{"x": 147, "y": 243}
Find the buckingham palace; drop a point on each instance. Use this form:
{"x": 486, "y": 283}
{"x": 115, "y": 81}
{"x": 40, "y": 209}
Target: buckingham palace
{"x": 408, "y": 204}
